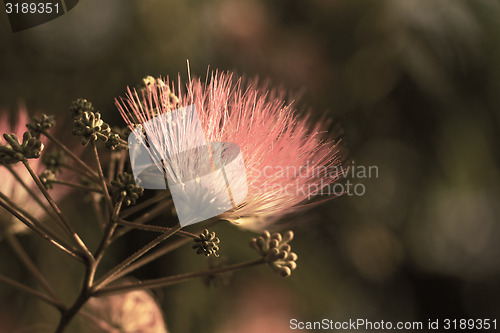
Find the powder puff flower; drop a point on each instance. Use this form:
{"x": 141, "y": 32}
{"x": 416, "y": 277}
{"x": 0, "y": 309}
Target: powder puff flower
{"x": 286, "y": 158}
{"x": 131, "y": 312}
{"x": 12, "y": 188}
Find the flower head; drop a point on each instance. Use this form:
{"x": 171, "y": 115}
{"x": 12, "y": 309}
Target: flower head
{"x": 91, "y": 127}
{"x": 10, "y": 185}
{"x": 276, "y": 251}
{"x": 124, "y": 188}
{"x": 79, "y": 106}
{"x": 278, "y": 148}
{"x": 207, "y": 243}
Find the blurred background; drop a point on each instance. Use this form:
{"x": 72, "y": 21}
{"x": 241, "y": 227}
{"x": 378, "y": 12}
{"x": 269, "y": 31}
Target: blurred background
{"x": 415, "y": 85}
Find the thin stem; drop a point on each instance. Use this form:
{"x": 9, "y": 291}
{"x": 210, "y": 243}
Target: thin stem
{"x": 154, "y": 228}
{"x": 140, "y": 220}
{"x": 112, "y": 166}
{"x": 90, "y": 271}
{"x": 98, "y": 211}
{"x": 82, "y": 173}
{"x": 159, "y": 252}
{"x": 30, "y": 265}
{"x": 111, "y": 274}
{"x": 69, "y": 229}
{"x": 81, "y": 300}
{"x": 129, "y": 211}
{"x": 121, "y": 164}
{"x": 67, "y": 316}
{"x": 77, "y": 186}
{"x": 116, "y": 210}
{"x": 33, "y": 292}
{"x": 91, "y": 268}
{"x": 71, "y": 154}
{"x": 101, "y": 177}
{"x": 108, "y": 233}
{"x": 30, "y": 192}
{"x": 170, "y": 280}
{"x": 171, "y": 246}
{"x": 39, "y": 229}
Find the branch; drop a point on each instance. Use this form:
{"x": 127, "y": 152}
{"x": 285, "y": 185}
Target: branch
{"x": 30, "y": 265}
{"x": 38, "y": 228}
{"x": 170, "y": 280}
{"x": 101, "y": 177}
{"x": 154, "y": 228}
{"x": 113, "y": 272}
{"x": 129, "y": 211}
{"x": 77, "y": 186}
{"x": 69, "y": 229}
{"x": 30, "y": 192}
{"x": 71, "y": 154}
{"x": 140, "y": 220}
{"x": 32, "y": 292}
{"x": 152, "y": 256}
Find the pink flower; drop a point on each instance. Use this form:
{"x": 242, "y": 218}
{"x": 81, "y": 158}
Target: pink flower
{"x": 12, "y": 188}
{"x": 286, "y": 159}
{"x": 131, "y": 312}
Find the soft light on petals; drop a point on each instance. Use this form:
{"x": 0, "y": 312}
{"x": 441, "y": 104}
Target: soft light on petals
{"x": 286, "y": 157}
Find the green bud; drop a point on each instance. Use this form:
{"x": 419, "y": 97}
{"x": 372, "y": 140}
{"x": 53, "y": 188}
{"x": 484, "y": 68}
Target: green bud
{"x": 37, "y": 125}
{"x": 14, "y": 151}
{"x": 125, "y": 188}
{"x": 91, "y": 127}
{"x": 115, "y": 142}
{"x": 206, "y": 243}
{"x": 276, "y": 251}
{"x": 46, "y": 178}
{"x": 54, "y": 159}
{"x": 79, "y": 106}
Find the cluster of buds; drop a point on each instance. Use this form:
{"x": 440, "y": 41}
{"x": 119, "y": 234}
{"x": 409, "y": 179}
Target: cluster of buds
{"x": 16, "y": 151}
{"x": 54, "y": 159}
{"x": 207, "y": 243}
{"x": 125, "y": 188}
{"x": 276, "y": 251}
{"x": 157, "y": 88}
{"x": 79, "y": 106}
{"x": 148, "y": 83}
{"x": 46, "y": 178}
{"x": 37, "y": 125}
{"x": 117, "y": 139}
{"x": 90, "y": 125}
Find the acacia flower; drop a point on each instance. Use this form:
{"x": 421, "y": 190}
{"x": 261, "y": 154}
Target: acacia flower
{"x": 279, "y": 149}
{"x": 12, "y": 188}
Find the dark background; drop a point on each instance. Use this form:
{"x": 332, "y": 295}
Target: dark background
{"x": 415, "y": 86}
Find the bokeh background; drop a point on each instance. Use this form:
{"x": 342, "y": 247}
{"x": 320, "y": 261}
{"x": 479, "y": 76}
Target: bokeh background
{"x": 415, "y": 85}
